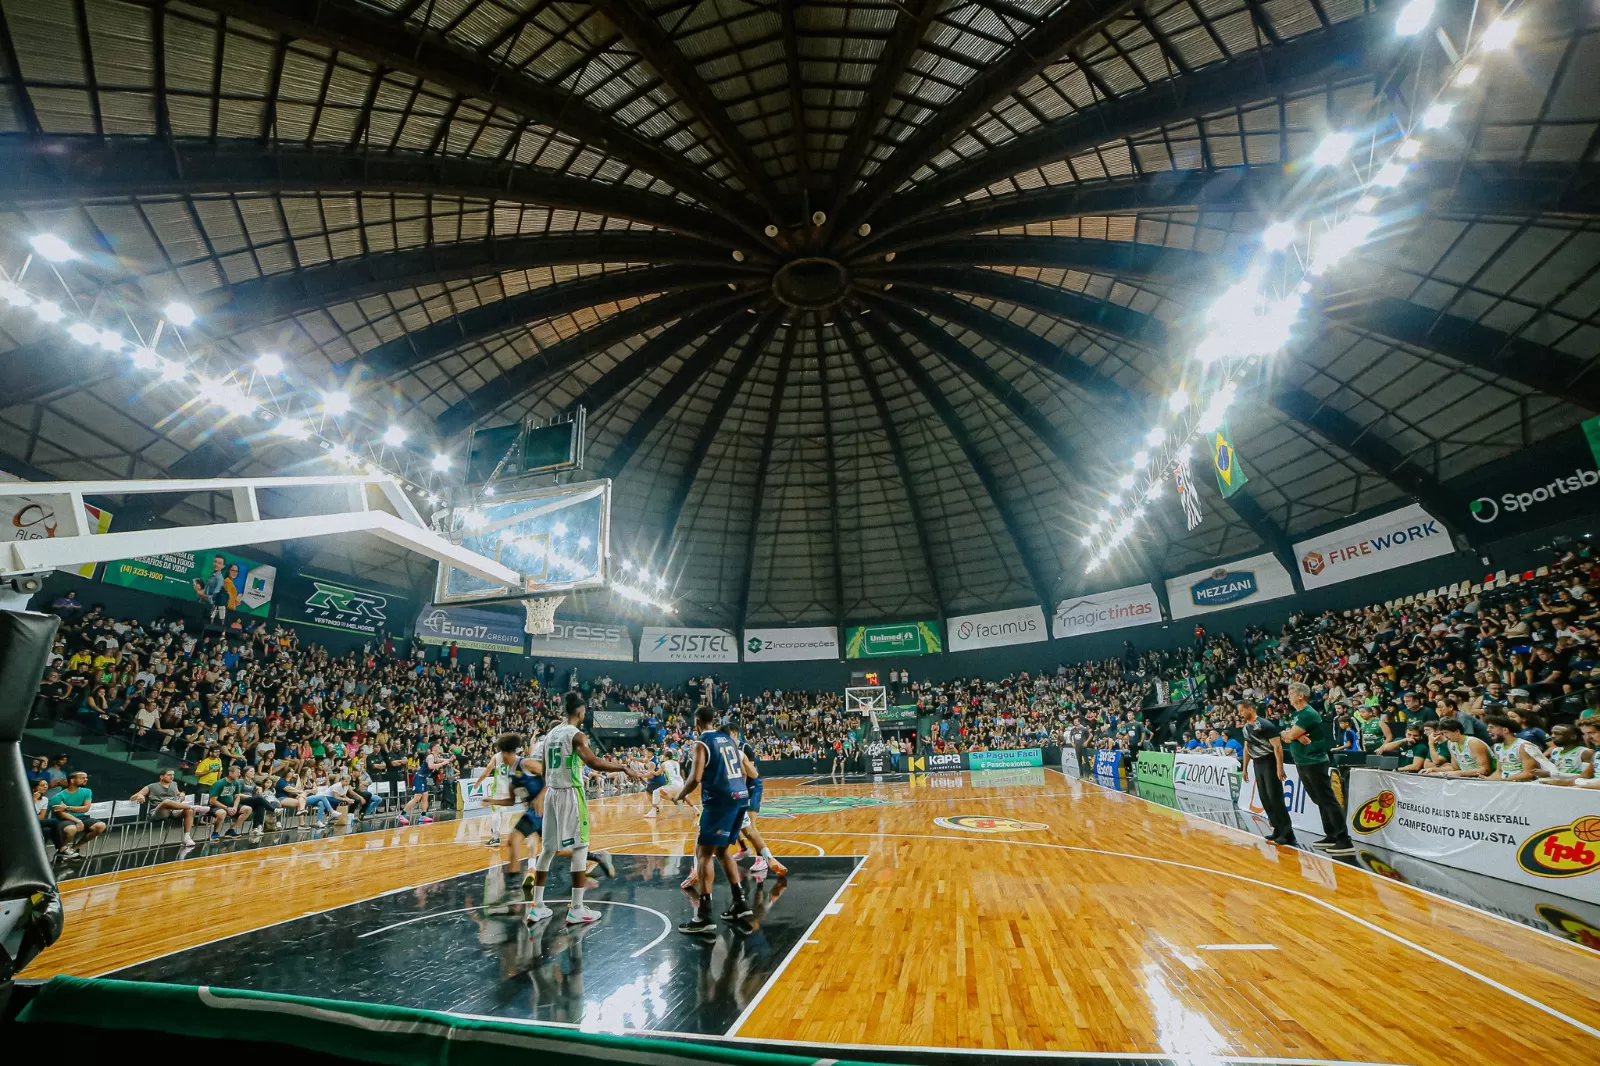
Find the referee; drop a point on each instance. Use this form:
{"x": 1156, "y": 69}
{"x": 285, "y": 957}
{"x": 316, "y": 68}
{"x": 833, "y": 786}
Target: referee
{"x": 1265, "y": 752}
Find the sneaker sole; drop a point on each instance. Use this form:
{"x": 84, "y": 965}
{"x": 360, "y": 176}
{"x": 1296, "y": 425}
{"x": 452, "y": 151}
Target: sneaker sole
{"x": 709, "y": 930}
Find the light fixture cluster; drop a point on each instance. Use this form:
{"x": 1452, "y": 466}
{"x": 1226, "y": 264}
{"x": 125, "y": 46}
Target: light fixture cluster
{"x": 637, "y": 584}
{"x": 1255, "y": 318}
{"x": 252, "y": 392}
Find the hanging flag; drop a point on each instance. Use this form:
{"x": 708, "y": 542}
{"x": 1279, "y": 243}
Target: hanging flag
{"x": 1230, "y": 474}
{"x": 1183, "y": 475}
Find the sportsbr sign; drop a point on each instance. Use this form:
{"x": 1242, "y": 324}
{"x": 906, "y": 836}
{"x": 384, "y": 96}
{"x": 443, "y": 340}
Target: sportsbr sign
{"x": 997, "y": 629}
{"x": 894, "y": 639}
{"x": 1531, "y": 835}
{"x": 1553, "y": 481}
{"x": 1252, "y": 580}
{"x": 789, "y": 645}
{"x": 1101, "y": 612}
{"x": 661, "y": 644}
{"x": 1398, "y": 538}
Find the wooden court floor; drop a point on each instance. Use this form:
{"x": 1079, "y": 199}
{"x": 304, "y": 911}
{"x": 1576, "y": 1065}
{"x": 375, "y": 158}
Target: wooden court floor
{"x": 1091, "y": 921}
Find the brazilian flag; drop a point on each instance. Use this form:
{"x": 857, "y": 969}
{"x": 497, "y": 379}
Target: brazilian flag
{"x": 1230, "y": 474}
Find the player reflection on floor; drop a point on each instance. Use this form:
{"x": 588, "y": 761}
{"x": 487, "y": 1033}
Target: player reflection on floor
{"x": 733, "y": 966}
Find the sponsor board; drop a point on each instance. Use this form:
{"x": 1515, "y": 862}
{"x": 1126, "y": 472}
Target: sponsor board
{"x": 1252, "y": 580}
{"x": 35, "y": 518}
{"x": 470, "y": 627}
{"x": 945, "y": 760}
{"x": 1015, "y": 777}
{"x": 789, "y": 645}
{"x": 1208, "y": 775}
{"x": 1153, "y": 768}
{"x": 1303, "y": 814}
{"x": 997, "y": 629}
{"x": 1105, "y": 611}
{"x": 975, "y": 823}
{"x": 217, "y": 578}
{"x": 1069, "y": 763}
{"x": 1107, "y": 763}
{"x": 661, "y": 644}
{"x": 1408, "y": 535}
{"x": 896, "y": 638}
{"x": 469, "y": 797}
{"x": 316, "y": 601}
{"x": 1003, "y": 760}
{"x": 1544, "y": 837}
{"x": 608, "y": 641}
{"x": 1551, "y": 482}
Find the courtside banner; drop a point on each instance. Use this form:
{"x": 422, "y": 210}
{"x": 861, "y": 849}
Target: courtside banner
{"x": 1408, "y": 535}
{"x": 608, "y": 641}
{"x": 660, "y": 644}
{"x": 788, "y": 645}
{"x": 1252, "y": 580}
{"x": 1153, "y": 768}
{"x": 1207, "y": 775}
{"x": 36, "y": 518}
{"x": 1004, "y": 760}
{"x": 1303, "y": 814}
{"x": 470, "y": 627}
{"x": 997, "y": 629}
{"x": 1528, "y": 834}
{"x": 1107, "y": 763}
{"x": 1136, "y": 605}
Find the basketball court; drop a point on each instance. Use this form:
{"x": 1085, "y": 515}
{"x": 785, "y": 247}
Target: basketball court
{"x": 1024, "y": 911}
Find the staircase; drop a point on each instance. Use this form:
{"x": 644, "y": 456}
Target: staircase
{"x": 115, "y": 770}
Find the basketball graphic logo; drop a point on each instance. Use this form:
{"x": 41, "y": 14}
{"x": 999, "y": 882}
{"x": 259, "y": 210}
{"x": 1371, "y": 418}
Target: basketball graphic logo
{"x": 1374, "y": 814}
{"x": 981, "y": 824}
{"x": 1587, "y": 828}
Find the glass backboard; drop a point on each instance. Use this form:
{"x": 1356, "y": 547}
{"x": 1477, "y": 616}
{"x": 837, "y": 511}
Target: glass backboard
{"x": 558, "y": 538}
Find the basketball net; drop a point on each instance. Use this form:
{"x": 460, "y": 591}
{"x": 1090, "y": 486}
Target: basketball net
{"x": 541, "y": 615}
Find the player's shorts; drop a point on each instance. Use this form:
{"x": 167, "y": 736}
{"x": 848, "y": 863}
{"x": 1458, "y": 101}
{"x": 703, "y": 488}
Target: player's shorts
{"x": 420, "y": 783}
{"x": 658, "y": 781}
{"x": 566, "y": 817}
{"x": 529, "y": 824}
{"x": 754, "y": 802}
{"x": 720, "y": 822}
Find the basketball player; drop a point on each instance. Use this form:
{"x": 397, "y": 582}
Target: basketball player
{"x": 1464, "y": 756}
{"x": 666, "y": 784}
{"x": 718, "y": 773}
{"x": 1518, "y": 759}
{"x": 752, "y": 780}
{"x": 1574, "y": 763}
{"x": 564, "y": 753}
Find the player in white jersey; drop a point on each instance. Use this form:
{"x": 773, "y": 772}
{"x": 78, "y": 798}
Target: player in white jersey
{"x": 565, "y": 752}
{"x": 1574, "y": 763}
{"x": 666, "y": 784}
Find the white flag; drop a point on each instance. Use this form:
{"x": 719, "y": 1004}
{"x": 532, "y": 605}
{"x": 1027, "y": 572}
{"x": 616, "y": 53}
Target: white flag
{"x": 1184, "y": 477}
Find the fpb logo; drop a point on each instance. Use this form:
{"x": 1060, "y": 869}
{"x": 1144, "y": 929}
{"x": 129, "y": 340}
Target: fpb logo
{"x": 1374, "y": 814}
{"x": 1562, "y": 850}
{"x": 980, "y": 824}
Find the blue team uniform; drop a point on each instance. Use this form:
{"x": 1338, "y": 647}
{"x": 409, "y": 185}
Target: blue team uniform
{"x": 723, "y": 790}
{"x": 753, "y": 805}
{"x": 530, "y": 823}
{"x": 657, "y": 780}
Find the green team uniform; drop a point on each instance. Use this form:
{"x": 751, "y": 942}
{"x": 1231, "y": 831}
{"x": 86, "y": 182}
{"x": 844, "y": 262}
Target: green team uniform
{"x": 1510, "y": 756}
{"x": 1569, "y": 761}
{"x": 1462, "y": 758}
{"x": 566, "y": 809}
{"x": 1317, "y": 732}
{"x": 1371, "y": 735}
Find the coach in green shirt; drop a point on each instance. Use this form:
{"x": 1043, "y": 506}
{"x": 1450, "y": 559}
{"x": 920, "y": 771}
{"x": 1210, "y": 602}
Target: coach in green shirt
{"x": 1308, "y": 739}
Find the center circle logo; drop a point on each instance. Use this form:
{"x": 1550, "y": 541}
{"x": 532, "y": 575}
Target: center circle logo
{"x": 1484, "y": 509}
{"x": 1374, "y": 814}
{"x": 975, "y": 823}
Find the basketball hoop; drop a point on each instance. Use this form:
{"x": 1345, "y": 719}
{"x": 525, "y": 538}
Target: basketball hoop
{"x": 541, "y": 615}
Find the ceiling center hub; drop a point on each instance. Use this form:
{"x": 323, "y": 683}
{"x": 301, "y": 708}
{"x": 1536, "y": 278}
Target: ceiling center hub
{"x": 811, "y": 284}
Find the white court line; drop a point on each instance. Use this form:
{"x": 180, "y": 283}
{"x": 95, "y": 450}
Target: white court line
{"x": 666, "y": 923}
{"x": 1586, "y": 952}
{"x": 833, "y": 907}
{"x": 1236, "y": 947}
{"x": 803, "y": 843}
{"x": 1397, "y": 938}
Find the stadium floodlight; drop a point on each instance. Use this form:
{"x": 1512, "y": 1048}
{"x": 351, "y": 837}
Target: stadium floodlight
{"x": 48, "y": 311}
{"x": 1156, "y": 437}
{"x": 270, "y": 363}
{"x": 340, "y": 454}
{"x": 83, "y": 333}
{"x": 1437, "y": 117}
{"x": 627, "y": 566}
{"x": 292, "y": 428}
{"x": 144, "y": 358}
{"x": 1178, "y": 401}
{"x": 1125, "y": 482}
{"x": 336, "y": 402}
{"x": 1333, "y": 148}
{"x": 179, "y": 313}
{"x": 559, "y": 529}
{"x": 52, "y": 247}
{"x": 1341, "y": 240}
{"x": 1500, "y": 34}
{"x": 1408, "y": 148}
{"x": 394, "y": 436}
{"x": 1277, "y": 236}
{"x": 441, "y": 463}
{"x": 110, "y": 340}
{"x": 172, "y": 371}
{"x": 1390, "y": 175}
{"x": 1414, "y": 18}
{"x": 1141, "y": 460}
{"x": 1467, "y": 75}
{"x": 584, "y": 542}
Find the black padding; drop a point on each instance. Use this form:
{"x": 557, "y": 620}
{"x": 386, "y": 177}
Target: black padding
{"x": 25, "y": 642}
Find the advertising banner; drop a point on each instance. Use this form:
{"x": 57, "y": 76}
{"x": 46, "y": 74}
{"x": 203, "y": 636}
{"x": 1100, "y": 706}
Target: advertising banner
{"x": 997, "y": 629}
{"x": 470, "y": 627}
{"x": 1004, "y": 760}
{"x": 219, "y": 578}
{"x": 317, "y": 601}
{"x": 661, "y": 644}
{"x": 34, "y": 518}
{"x": 1107, "y": 763}
{"x": 1069, "y": 763}
{"x": 895, "y": 638}
{"x": 948, "y": 760}
{"x": 608, "y": 641}
{"x": 788, "y": 645}
{"x": 1303, "y": 814}
{"x": 1253, "y": 580}
{"x": 1153, "y": 768}
{"x": 1408, "y": 535}
{"x": 1105, "y": 611}
{"x": 898, "y": 714}
{"x": 1547, "y": 838}
{"x": 1207, "y": 775}
{"x": 469, "y": 797}
{"x": 1552, "y": 481}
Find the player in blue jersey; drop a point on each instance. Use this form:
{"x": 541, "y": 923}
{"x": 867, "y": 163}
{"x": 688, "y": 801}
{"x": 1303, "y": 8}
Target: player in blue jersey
{"x": 719, "y": 774}
{"x": 752, "y": 779}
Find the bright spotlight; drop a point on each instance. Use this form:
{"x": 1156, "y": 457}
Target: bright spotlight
{"x": 292, "y": 428}
{"x": 340, "y": 454}
{"x": 144, "y": 358}
{"x": 1500, "y": 34}
{"x": 1414, "y": 18}
{"x": 1277, "y": 236}
{"x": 1390, "y": 175}
{"x": 171, "y": 371}
{"x": 270, "y": 363}
{"x": 179, "y": 313}
{"x": 52, "y": 248}
{"x": 48, "y": 311}
{"x": 394, "y": 436}
{"x": 1125, "y": 482}
{"x": 1468, "y": 75}
{"x": 336, "y": 402}
{"x": 1156, "y": 437}
{"x": 441, "y": 463}
{"x": 1437, "y": 116}
{"x": 1141, "y": 460}
{"x": 1333, "y": 149}
{"x": 1409, "y": 148}
{"x": 1178, "y": 401}
{"x": 83, "y": 333}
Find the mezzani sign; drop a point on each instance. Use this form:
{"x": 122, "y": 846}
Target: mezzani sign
{"x": 1224, "y": 587}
